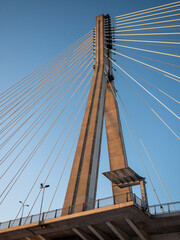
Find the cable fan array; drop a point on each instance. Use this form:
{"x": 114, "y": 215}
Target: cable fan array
{"x": 123, "y": 27}
{"x": 144, "y": 47}
{"x": 41, "y": 117}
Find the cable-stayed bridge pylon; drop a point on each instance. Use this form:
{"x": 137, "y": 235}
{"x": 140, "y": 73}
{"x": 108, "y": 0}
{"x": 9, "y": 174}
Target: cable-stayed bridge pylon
{"x": 49, "y": 91}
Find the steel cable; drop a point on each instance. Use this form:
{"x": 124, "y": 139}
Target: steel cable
{"x": 150, "y": 108}
{"x": 33, "y": 125}
{"x": 36, "y": 148}
{"x": 43, "y": 91}
{"x": 59, "y": 54}
{"x": 51, "y": 150}
{"x": 52, "y": 73}
{"x": 147, "y": 9}
{"x": 151, "y": 67}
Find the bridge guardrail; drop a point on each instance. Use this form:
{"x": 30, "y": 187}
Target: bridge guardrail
{"x": 164, "y": 208}
{"x": 104, "y": 202}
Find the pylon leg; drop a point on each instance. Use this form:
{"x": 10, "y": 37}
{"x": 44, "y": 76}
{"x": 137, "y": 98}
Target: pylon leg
{"x": 115, "y": 141}
{"x": 83, "y": 180}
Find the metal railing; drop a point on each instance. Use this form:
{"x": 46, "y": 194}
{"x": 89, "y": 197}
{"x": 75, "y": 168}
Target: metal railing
{"x": 164, "y": 208}
{"x": 104, "y": 202}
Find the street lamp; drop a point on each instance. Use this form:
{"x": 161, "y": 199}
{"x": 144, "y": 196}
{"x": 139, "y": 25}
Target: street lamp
{"x": 42, "y": 187}
{"x": 23, "y": 205}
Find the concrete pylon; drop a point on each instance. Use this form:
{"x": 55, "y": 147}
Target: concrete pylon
{"x": 83, "y": 179}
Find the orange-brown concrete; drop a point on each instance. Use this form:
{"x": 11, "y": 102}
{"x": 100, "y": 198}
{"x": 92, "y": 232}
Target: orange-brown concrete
{"x": 83, "y": 179}
{"x": 116, "y": 148}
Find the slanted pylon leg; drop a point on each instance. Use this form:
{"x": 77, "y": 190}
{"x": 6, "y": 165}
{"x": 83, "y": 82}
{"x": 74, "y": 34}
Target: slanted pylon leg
{"x": 115, "y": 141}
{"x": 83, "y": 179}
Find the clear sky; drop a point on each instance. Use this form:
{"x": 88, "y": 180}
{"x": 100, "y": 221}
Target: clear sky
{"x": 33, "y": 31}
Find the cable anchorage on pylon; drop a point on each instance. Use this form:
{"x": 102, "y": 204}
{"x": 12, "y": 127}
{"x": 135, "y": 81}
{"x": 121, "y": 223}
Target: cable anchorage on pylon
{"x": 108, "y": 37}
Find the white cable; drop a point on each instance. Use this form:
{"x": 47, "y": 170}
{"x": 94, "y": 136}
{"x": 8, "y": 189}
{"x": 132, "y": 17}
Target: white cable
{"x": 154, "y": 14}
{"x": 147, "y": 91}
{"x": 136, "y": 148}
{"x": 151, "y": 109}
{"x": 142, "y": 29}
{"x": 147, "y": 152}
{"x": 146, "y": 41}
{"x": 147, "y": 50}
{"x": 158, "y": 69}
{"x": 147, "y": 9}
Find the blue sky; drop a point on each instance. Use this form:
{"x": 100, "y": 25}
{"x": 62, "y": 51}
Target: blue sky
{"x": 33, "y": 31}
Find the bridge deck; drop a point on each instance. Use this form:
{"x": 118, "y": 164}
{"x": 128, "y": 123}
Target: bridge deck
{"x": 120, "y": 221}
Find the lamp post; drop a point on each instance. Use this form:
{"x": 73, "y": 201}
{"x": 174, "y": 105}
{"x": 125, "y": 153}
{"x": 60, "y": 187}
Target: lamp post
{"x": 23, "y": 205}
{"x": 43, "y": 188}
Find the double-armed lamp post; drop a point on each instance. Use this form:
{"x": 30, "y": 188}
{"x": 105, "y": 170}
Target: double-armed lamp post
{"x": 41, "y": 221}
{"x": 23, "y": 205}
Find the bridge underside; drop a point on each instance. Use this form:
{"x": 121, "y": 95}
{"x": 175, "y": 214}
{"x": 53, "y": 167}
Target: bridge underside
{"x": 122, "y": 221}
